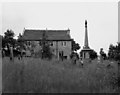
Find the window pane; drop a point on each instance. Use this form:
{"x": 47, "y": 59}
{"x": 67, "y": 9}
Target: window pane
{"x": 40, "y": 43}
{"x": 51, "y": 43}
{"x": 64, "y": 43}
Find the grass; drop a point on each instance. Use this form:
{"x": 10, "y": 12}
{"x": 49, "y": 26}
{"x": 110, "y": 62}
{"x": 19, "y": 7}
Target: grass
{"x": 33, "y": 75}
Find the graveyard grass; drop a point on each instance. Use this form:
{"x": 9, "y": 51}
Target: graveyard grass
{"x": 33, "y": 75}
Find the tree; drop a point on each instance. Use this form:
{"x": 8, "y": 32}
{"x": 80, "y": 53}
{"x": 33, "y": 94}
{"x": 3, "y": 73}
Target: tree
{"x": 46, "y": 52}
{"x": 114, "y": 52}
{"x": 111, "y": 52}
{"x": 103, "y": 54}
{"x": 9, "y": 34}
{"x": 20, "y": 43}
{"x": 75, "y": 46}
{"x": 1, "y": 37}
{"x": 74, "y": 54}
{"x": 93, "y": 54}
{"x": 8, "y": 39}
{"x": 117, "y": 55}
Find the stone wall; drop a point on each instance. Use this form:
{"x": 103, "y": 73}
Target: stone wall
{"x": 56, "y": 47}
{"x": 64, "y": 46}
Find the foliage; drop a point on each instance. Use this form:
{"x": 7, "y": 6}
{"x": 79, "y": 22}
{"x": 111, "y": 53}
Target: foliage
{"x": 8, "y": 38}
{"x": 74, "y": 54}
{"x": 93, "y": 54}
{"x": 46, "y": 51}
{"x": 114, "y": 52}
{"x": 1, "y": 37}
{"x": 20, "y": 43}
{"x": 103, "y": 54}
{"x": 9, "y": 34}
{"x": 75, "y": 46}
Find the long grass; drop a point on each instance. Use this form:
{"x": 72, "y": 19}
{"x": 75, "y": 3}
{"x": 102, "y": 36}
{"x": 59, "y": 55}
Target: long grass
{"x": 33, "y": 75}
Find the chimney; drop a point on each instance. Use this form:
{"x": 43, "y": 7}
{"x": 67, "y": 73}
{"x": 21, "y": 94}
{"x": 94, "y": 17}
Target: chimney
{"x": 68, "y": 31}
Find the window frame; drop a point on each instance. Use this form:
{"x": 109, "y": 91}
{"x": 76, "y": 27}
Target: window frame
{"x": 64, "y": 43}
{"x": 51, "y": 43}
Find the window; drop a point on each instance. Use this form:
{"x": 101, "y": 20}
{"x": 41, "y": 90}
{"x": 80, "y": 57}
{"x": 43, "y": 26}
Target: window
{"x": 51, "y": 43}
{"x": 40, "y": 43}
{"x": 63, "y": 43}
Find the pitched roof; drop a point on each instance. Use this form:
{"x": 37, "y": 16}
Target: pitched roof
{"x": 30, "y": 34}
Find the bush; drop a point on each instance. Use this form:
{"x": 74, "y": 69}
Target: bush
{"x": 114, "y": 52}
{"x": 93, "y": 55}
{"x": 74, "y": 54}
{"x": 46, "y": 52}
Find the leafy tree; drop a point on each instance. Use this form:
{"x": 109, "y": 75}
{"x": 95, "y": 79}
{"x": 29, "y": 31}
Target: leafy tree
{"x": 117, "y": 55}
{"x": 1, "y": 37}
{"x": 46, "y": 52}
{"x": 20, "y": 43}
{"x": 93, "y": 54}
{"x": 114, "y": 52}
{"x": 111, "y": 52}
{"x": 103, "y": 54}
{"x": 75, "y": 46}
{"x": 74, "y": 54}
{"x": 9, "y": 34}
{"x": 8, "y": 39}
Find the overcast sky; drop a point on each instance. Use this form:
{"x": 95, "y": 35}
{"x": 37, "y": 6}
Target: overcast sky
{"x": 102, "y": 20}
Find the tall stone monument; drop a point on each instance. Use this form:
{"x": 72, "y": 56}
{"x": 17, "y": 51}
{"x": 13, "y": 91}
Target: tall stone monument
{"x": 85, "y": 52}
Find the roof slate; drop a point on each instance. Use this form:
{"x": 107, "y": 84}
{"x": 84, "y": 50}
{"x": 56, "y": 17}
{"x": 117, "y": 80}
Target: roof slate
{"x": 30, "y": 34}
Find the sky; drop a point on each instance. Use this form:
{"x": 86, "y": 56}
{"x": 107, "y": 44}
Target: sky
{"x": 119, "y": 21}
{"x": 102, "y": 20}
